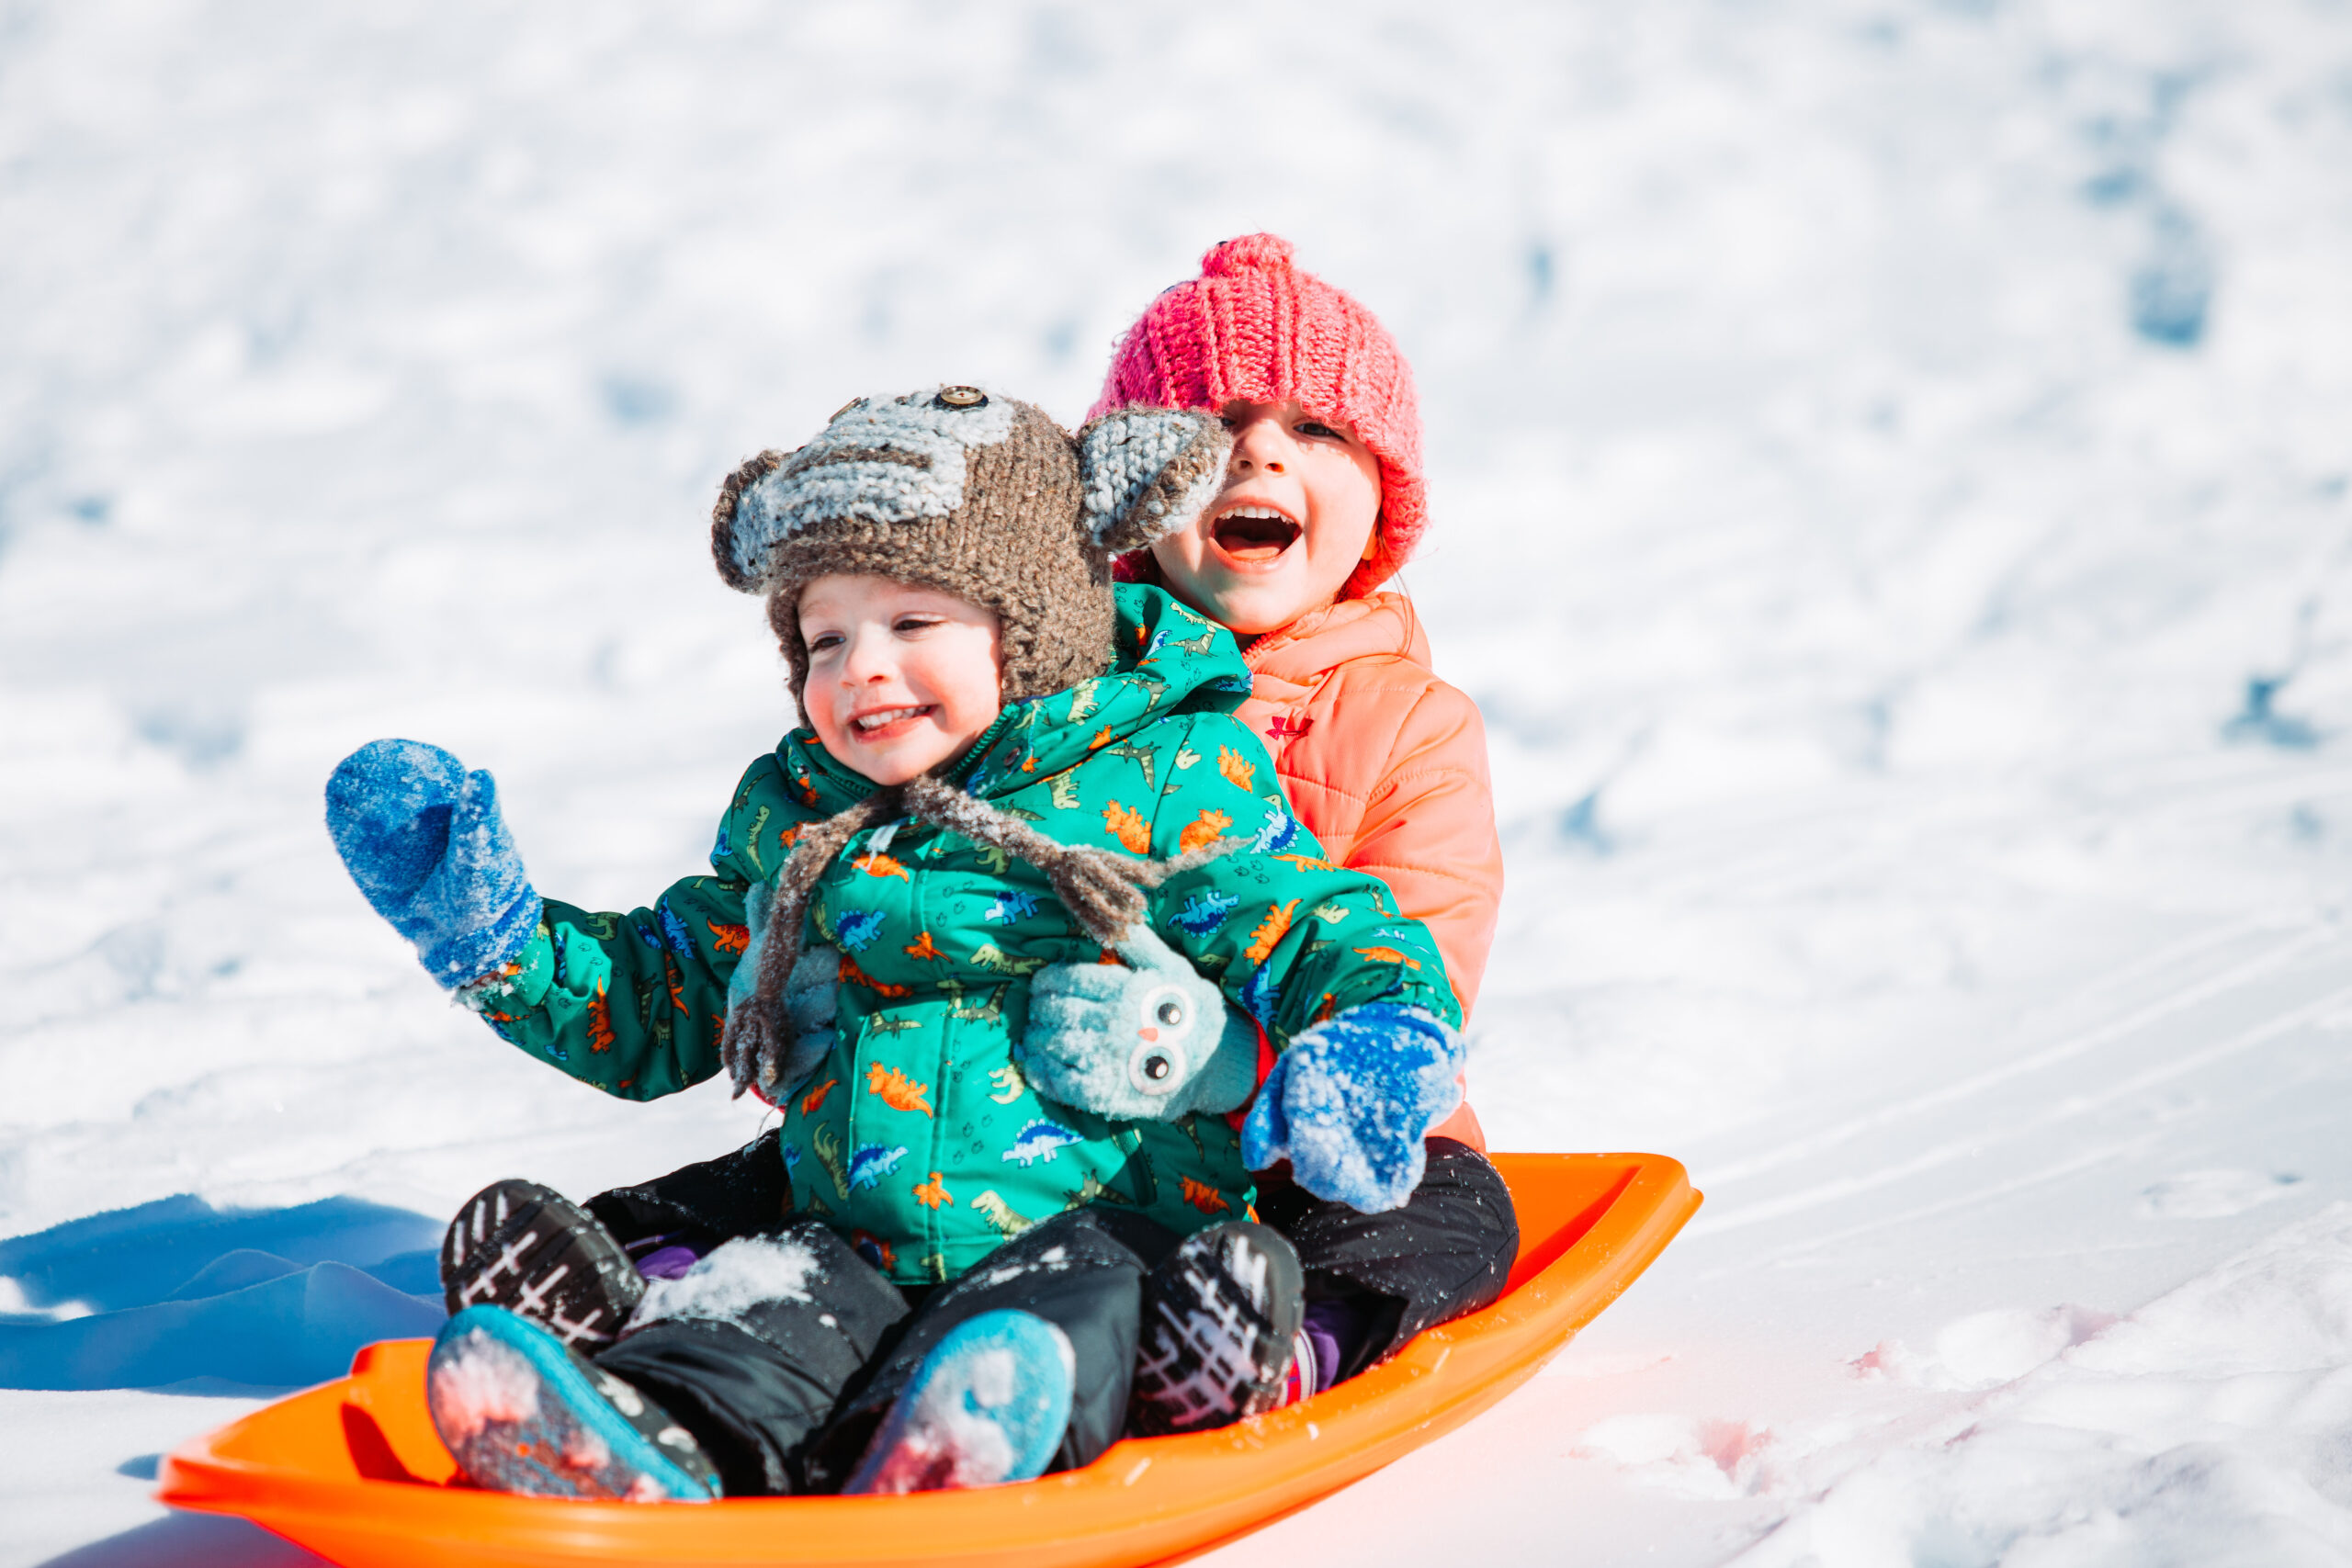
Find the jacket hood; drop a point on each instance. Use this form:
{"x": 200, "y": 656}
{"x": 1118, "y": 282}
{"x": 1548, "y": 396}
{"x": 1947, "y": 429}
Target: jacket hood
{"x": 1167, "y": 657}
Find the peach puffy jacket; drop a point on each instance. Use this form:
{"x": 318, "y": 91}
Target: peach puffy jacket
{"x": 1386, "y": 766}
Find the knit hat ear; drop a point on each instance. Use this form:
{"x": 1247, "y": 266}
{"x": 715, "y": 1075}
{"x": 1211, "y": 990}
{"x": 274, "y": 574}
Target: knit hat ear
{"x": 1145, "y": 473}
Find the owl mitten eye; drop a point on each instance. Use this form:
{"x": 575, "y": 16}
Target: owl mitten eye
{"x": 1146, "y": 1041}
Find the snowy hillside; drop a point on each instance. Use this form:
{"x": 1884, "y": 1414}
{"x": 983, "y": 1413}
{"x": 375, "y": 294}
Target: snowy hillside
{"x": 1892, "y": 469}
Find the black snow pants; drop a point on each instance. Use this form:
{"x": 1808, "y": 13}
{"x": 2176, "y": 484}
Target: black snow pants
{"x": 1448, "y": 1251}
{"x": 791, "y": 1409}
{"x": 785, "y": 1398}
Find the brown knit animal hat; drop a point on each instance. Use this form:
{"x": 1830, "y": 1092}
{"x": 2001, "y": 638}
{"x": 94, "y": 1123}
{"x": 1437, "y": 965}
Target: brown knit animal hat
{"x": 977, "y": 495}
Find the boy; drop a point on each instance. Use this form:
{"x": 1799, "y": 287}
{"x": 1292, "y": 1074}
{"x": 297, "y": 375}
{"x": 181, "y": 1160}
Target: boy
{"x": 1008, "y": 768}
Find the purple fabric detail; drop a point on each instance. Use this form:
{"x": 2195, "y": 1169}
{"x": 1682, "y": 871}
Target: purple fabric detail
{"x": 1336, "y": 1330}
{"x": 668, "y": 1262}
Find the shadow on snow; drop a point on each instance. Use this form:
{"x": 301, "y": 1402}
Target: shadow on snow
{"x": 176, "y": 1290}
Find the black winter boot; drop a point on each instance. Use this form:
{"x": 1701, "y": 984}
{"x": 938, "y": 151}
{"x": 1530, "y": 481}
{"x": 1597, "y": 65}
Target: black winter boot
{"x": 529, "y": 1249}
{"x": 1220, "y": 1318}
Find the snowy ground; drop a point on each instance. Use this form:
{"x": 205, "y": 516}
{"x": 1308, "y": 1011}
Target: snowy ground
{"x": 1892, "y": 474}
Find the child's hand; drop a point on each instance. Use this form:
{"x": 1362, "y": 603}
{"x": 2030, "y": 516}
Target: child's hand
{"x": 1351, "y": 1100}
{"x": 424, "y": 839}
{"x": 1152, "y": 1043}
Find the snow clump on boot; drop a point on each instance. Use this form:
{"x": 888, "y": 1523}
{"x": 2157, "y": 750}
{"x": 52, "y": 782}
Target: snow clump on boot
{"x": 987, "y": 1405}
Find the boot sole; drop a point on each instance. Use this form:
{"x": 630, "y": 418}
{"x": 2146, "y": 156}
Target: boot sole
{"x": 523, "y": 1413}
{"x": 529, "y": 1249}
{"x": 989, "y": 1405}
{"x": 1212, "y": 1353}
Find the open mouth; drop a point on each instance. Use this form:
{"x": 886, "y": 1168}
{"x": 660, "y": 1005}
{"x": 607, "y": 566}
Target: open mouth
{"x": 1254, "y": 535}
{"x": 886, "y": 719}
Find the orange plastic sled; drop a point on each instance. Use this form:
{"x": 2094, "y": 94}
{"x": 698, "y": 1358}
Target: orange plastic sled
{"x": 353, "y": 1472}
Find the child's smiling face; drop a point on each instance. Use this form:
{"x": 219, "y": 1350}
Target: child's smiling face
{"x": 900, "y": 678}
{"x": 1300, "y": 500}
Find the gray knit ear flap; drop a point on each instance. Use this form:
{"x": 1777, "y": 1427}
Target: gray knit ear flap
{"x": 1147, "y": 472}
{"x": 723, "y": 547}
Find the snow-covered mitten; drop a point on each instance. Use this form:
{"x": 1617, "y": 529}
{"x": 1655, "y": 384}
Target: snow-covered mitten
{"x": 1221, "y": 1317}
{"x": 1148, "y": 1041}
{"x": 529, "y": 1249}
{"x": 987, "y": 1405}
{"x": 424, "y": 839}
{"x": 523, "y": 1411}
{"x": 1349, "y": 1102}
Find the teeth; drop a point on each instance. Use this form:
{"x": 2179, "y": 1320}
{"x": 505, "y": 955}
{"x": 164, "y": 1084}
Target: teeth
{"x": 1267, "y": 512}
{"x": 891, "y": 716}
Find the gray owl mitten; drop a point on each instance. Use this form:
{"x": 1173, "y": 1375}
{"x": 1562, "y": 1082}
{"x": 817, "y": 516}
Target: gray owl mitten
{"x": 1152, "y": 1043}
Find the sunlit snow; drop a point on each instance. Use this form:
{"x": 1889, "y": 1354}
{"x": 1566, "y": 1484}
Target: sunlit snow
{"x": 1892, "y": 477}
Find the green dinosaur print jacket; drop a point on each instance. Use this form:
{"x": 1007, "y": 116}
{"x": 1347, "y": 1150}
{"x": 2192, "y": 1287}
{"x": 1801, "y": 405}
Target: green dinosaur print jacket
{"x": 918, "y": 1137}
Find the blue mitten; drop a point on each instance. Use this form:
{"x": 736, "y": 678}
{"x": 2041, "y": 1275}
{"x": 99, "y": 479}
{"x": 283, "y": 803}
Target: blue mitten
{"x": 1351, "y": 1100}
{"x": 1148, "y": 1044}
{"x": 424, "y": 839}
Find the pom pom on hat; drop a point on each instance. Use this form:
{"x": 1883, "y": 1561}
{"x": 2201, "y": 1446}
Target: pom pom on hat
{"x": 1234, "y": 258}
{"x": 1253, "y": 328}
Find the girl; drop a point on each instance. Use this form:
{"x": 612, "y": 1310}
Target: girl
{"x": 1323, "y": 501}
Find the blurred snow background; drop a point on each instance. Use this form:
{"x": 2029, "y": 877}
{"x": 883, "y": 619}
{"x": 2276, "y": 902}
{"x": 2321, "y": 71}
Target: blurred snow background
{"x": 1891, "y": 466}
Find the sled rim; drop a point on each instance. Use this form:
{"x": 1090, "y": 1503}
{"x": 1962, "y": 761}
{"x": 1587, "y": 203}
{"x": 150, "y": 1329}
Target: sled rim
{"x": 1590, "y": 1225}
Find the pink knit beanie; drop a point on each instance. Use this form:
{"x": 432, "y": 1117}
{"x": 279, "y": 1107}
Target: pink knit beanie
{"x": 1253, "y": 328}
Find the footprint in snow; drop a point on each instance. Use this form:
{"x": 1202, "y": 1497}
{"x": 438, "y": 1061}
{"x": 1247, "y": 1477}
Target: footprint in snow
{"x": 2213, "y": 1194}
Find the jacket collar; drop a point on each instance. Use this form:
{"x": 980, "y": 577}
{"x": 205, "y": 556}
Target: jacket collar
{"x": 1301, "y": 653}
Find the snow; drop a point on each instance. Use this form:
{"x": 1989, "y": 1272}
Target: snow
{"x": 1890, "y": 501}
{"x": 482, "y": 1381}
{"x": 736, "y": 1276}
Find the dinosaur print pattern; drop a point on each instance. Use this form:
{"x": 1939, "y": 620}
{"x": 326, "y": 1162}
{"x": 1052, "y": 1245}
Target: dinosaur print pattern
{"x": 897, "y": 1090}
{"x": 872, "y": 1163}
{"x": 1239, "y": 771}
{"x": 1129, "y": 827}
{"x": 1206, "y": 829}
{"x": 1205, "y": 911}
{"x": 1007, "y": 907}
{"x": 1143, "y": 757}
{"x": 855, "y": 929}
{"x": 828, "y": 1150}
{"x": 1271, "y": 930}
{"x": 1001, "y": 1215}
{"x": 918, "y": 1127}
{"x": 1091, "y": 1190}
{"x": 850, "y": 974}
{"x": 600, "y": 1021}
{"x": 1205, "y": 1198}
{"x": 991, "y": 957}
{"x": 1277, "y": 834}
{"x": 1040, "y": 1140}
